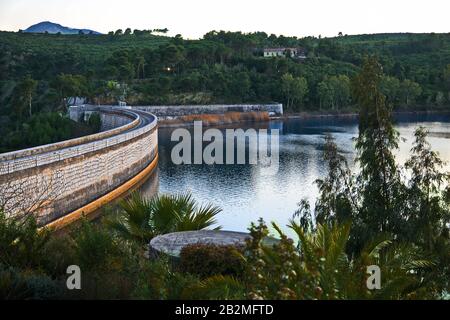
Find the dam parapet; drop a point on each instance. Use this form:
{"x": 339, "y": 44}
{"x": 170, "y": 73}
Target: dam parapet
{"x": 53, "y": 180}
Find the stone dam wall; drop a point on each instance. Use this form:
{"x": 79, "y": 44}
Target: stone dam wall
{"x": 54, "y": 180}
{"x": 170, "y": 112}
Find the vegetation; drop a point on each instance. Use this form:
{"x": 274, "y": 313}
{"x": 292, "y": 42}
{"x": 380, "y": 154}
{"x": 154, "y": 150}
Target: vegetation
{"x": 141, "y": 219}
{"x": 318, "y": 267}
{"x": 227, "y": 117}
{"x": 223, "y": 67}
{"x": 205, "y": 260}
{"x": 44, "y": 128}
{"x": 38, "y": 72}
{"x": 395, "y": 217}
{"x": 379, "y": 200}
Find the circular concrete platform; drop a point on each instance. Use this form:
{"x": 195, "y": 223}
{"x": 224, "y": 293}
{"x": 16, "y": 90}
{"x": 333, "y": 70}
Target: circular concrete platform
{"x": 172, "y": 243}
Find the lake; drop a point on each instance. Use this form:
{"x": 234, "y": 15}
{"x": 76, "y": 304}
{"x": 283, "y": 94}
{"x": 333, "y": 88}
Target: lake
{"x": 245, "y": 194}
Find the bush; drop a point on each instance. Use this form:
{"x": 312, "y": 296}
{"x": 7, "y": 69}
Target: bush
{"x": 207, "y": 260}
{"x": 217, "y": 287}
{"x": 57, "y": 255}
{"x": 95, "y": 248}
{"x": 111, "y": 268}
{"x": 21, "y": 243}
{"x": 19, "y": 285}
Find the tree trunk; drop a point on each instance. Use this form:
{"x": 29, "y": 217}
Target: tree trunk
{"x": 29, "y": 104}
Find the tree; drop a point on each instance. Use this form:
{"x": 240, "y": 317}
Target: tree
{"x": 428, "y": 209}
{"x": 377, "y": 200}
{"x": 428, "y": 213}
{"x": 240, "y": 86}
{"x": 342, "y": 90}
{"x": 294, "y": 89}
{"x": 390, "y": 87}
{"x": 23, "y": 96}
{"x": 325, "y": 93}
{"x": 409, "y": 91}
{"x": 446, "y": 76}
{"x": 121, "y": 65}
{"x": 118, "y": 32}
{"x": 140, "y": 70}
{"x": 440, "y": 98}
{"x": 334, "y": 91}
{"x": 178, "y": 39}
{"x": 163, "y": 31}
{"x": 377, "y": 140}
{"x": 336, "y": 200}
{"x": 127, "y": 31}
{"x": 69, "y": 85}
{"x": 171, "y": 55}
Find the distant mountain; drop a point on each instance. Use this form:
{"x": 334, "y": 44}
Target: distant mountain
{"x": 50, "y": 27}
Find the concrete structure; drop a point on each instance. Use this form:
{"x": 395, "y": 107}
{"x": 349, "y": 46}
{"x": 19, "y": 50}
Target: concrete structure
{"x": 170, "y": 112}
{"x": 62, "y": 181}
{"x": 79, "y": 175}
{"x": 172, "y": 243}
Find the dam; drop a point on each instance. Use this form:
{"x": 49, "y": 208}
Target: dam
{"x": 59, "y": 183}
{"x": 62, "y": 181}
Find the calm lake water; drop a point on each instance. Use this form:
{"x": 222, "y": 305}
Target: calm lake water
{"x": 245, "y": 194}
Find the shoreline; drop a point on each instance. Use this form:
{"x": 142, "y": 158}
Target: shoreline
{"x": 300, "y": 115}
{"x": 316, "y": 114}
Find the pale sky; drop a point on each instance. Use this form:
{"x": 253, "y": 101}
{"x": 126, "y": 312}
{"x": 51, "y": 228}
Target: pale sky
{"x": 193, "y": 18}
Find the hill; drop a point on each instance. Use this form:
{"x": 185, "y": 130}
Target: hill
{"x": 223, "y": 67}
{"x": 227, "y": 67}
{"x": 53, "y": 28}
{"x": 94, "y": 49}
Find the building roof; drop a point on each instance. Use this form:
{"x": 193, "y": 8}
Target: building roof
{"x": 278, "y": 49}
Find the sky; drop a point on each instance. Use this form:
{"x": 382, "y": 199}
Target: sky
{"x": 194, "y": 18}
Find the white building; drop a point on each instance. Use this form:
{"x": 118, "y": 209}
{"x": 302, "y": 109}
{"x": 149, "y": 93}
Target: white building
{"x": 284, "y": 52}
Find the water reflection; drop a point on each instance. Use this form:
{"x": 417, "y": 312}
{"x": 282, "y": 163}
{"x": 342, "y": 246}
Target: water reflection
{"x": 151, "y": 186}
{"x": 245, "y": 194}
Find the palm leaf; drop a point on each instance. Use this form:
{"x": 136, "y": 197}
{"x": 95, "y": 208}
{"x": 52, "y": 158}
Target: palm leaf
{"x": 218, "y": 287}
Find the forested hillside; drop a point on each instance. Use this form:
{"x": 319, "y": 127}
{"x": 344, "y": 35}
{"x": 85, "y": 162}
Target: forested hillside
{"x": 38, "y": 71}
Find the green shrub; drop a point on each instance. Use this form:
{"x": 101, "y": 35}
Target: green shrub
{"x": 58, "y": 254}
{"x": 217, "y": 287}
{"x": 17, "y": 284}
{"x": 111, "y": 267}
{"x": 21, "y": 243}
{"x": 95, "y": 248}
{"x": 207, "y": 260}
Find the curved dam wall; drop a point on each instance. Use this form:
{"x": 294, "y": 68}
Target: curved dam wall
{"x": 53, "y": 180}
{"x": 110, "y": 120}
{"x": 163, "y": 112}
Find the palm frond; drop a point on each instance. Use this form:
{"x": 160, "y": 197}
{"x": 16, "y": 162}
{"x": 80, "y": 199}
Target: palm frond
{"x": 218, "y": 287}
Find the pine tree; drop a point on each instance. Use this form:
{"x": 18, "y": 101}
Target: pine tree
{"x": 379, "y": 178}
